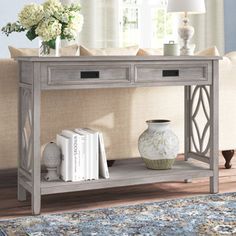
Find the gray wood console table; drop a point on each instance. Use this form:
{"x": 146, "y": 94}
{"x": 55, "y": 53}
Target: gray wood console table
{"x": 199, "y": 76}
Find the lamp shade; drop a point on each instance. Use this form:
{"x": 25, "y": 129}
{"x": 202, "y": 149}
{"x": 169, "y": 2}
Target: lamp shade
{"x": 189, "y": 6}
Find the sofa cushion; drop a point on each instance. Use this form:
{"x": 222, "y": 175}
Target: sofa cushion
{"x": 150, "y": 51}
{"x": 126, "y": 51}
{"x": 71, "y": 50}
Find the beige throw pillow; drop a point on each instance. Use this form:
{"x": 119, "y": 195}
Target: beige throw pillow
{"x": 158, "y": 51}
{"x": 20, "y": 52}
{"x": 126, "y": 51}
{"x": 72, "y": 50}
{"x": 150, "y": 51}
{"x": 208, "y": 52}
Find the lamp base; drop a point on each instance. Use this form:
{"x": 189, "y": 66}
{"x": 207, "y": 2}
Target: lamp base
{"x": 187, "y": 51}
{"x": 186, "y": 32}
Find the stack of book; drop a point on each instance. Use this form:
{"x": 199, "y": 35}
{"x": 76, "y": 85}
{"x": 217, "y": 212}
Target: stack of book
{"x": 83, "y": 155}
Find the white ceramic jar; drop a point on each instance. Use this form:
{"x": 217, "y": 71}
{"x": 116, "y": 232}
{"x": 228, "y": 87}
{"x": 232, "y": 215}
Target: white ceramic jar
{"x": 171, "y": 49}
{"x": 158, "y": 145}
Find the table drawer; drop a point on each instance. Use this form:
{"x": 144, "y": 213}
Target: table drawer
{"x": 87, "y": 74}
{"x": 178, "y": 73}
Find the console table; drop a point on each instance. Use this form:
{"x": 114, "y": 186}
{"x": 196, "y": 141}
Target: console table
{"x": 199, "y": 76}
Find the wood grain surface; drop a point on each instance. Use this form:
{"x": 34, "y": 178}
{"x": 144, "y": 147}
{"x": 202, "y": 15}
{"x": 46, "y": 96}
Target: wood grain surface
{"x": 11, "y": 208}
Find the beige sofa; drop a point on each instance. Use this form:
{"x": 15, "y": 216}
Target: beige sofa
{"x": 119, "y": 113}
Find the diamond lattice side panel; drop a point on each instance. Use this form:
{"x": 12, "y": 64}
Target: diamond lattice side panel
{"x": 26, "y": 132}
{"x": 200, "y": 120}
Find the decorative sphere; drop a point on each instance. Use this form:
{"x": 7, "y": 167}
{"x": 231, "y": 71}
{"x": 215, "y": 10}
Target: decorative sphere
{"x": 52, "y": 155}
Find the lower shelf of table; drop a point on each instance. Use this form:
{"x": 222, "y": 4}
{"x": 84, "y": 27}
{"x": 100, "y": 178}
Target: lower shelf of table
{"x": 131, "y": 172}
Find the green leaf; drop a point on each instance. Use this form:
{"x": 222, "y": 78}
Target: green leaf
{"x": 52, "y": 43}
{"x": 31, "y": 34}
{"x": 63, "y": 37}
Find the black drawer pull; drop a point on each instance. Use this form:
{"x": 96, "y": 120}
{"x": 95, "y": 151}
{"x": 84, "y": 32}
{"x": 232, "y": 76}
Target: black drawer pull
{"x": 89, "y": 74}
{"x": 170, "y": 73}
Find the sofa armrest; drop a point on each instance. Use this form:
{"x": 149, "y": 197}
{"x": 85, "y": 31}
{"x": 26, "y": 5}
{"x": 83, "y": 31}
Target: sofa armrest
{"x": 8, "y": 70}
{"x": 8, "y": 78}
{"x": 231, "y": 55}
{"x": 8, "y": 114}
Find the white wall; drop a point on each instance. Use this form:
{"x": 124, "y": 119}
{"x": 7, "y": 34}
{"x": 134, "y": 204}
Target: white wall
{"x": 8, "y": 13}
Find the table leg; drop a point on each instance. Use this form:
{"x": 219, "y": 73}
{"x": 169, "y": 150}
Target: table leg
{"x": 36, "y": 167}
{"x": 187, "y": 121}
{"x": 21, "y": 193}
{"x": 214, "y": 130}
{"x": 36, "y": 202}
{"x": 187, "y": 117}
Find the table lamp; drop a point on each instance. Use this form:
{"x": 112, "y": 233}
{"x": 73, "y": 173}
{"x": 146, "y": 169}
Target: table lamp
{"x": 186, "y": 31}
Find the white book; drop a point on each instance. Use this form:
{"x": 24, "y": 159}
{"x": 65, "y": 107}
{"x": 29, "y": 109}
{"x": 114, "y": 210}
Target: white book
{"x": 86, "y": 152}
{"x": 94, "y": 153}
{"x": 63, "y": 143}
{"x": 73, "y": 145}
{"x": 103, "y": 168}
{"x": 82, "y": 152}
{"x": 81, "y": 145}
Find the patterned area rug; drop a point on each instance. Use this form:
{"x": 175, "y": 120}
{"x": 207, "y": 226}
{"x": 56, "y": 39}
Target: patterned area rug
{"x": 206, "y": 215}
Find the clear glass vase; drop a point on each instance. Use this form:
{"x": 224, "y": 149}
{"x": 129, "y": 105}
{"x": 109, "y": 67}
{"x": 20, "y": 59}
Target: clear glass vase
{"x": 50, "y": 48}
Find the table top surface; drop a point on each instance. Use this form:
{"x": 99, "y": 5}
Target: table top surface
{"x": 117, "y": 58}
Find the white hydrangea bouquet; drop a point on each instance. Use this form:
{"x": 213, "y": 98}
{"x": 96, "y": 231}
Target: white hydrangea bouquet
{"x": 49, "y": 21}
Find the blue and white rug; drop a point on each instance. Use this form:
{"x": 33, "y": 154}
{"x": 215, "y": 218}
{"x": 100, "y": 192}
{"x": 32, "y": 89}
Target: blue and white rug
{"x": 206, "y": 215}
